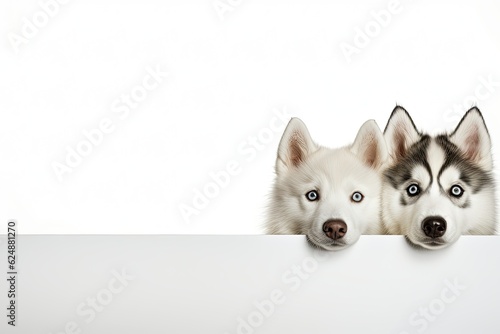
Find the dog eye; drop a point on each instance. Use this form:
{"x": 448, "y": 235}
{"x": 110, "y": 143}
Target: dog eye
{"x": 413, "y": 190}
{"x": 456, "y": 191}
{"x": 312, "y": 195}
{"x": 357, "y": 197}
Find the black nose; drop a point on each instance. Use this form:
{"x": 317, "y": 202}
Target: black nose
{"x": 434, "y": 226}
{"x": 335, "y": 228}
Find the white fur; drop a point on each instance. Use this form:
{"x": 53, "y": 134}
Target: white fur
{"x": 302, "y": 166}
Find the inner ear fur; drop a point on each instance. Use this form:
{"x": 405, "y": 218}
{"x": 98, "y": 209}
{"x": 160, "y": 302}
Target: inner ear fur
{"x": 400, "y": 133}
{"x": 370, "y": 145}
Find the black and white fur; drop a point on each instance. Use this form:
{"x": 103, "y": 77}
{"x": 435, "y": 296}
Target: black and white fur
{"x": 437, "y": 188}
{"x": 330, "y": 195}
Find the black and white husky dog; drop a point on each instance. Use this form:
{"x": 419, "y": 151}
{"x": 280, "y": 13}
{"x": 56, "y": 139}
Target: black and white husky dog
{"x": 437, "y": 188}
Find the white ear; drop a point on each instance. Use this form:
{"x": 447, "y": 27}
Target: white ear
{"x": 295, "y": 145}
{"x": 369, "y": 145}
{"x": 400, "y": 133}
{"x": 472, "y": 138}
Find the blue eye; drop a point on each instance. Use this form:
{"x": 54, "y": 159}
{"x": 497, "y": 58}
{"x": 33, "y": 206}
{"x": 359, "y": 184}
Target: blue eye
{"x": 456, "y": 191}
{"x": 413, "y": 190}
{"x": 357, "y": 197}
{"x": 312, "y": 195}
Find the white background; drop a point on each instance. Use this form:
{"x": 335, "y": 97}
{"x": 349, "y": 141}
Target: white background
{"x": 227, "y": 73}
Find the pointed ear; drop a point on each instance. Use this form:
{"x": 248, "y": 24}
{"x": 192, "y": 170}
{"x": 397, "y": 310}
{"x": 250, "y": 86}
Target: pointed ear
{"x": 370, "y": 146}
{"x": 472, "y": 138}
{"x": 295, "y": 145}
{"x": 400, "y": 133}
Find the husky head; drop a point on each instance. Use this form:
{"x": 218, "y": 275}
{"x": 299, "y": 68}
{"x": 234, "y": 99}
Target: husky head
{"x": 330, "y": 195}
{"x": 437, "y": 188}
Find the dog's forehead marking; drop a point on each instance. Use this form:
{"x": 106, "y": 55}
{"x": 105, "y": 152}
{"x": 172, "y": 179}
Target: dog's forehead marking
{"x": 471, "y": 174}
{"x": 436, "y": 157}
{"x": 421, "y": 174}
{"x": 449, "y": 175}
{"x": 403, "y": 169}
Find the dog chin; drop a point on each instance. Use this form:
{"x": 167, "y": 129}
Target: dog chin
{"x": 429, "y": 243}
{"x": 328, "y": 245}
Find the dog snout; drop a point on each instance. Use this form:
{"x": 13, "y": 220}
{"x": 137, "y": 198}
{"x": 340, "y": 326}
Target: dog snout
{"x": 434, "y": 226}
{"x": 335, "y": 228}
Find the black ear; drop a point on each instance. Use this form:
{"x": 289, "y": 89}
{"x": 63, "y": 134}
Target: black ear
{"x": 295, "y": 145}
{"x": 369, "y": 145}
{"x": 471, "y": 136}
{"x": 400, "y": 133}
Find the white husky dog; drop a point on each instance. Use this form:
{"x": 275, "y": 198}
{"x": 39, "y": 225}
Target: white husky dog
{"x": 330, "y": 195}
{"x": 437, "y": 188}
